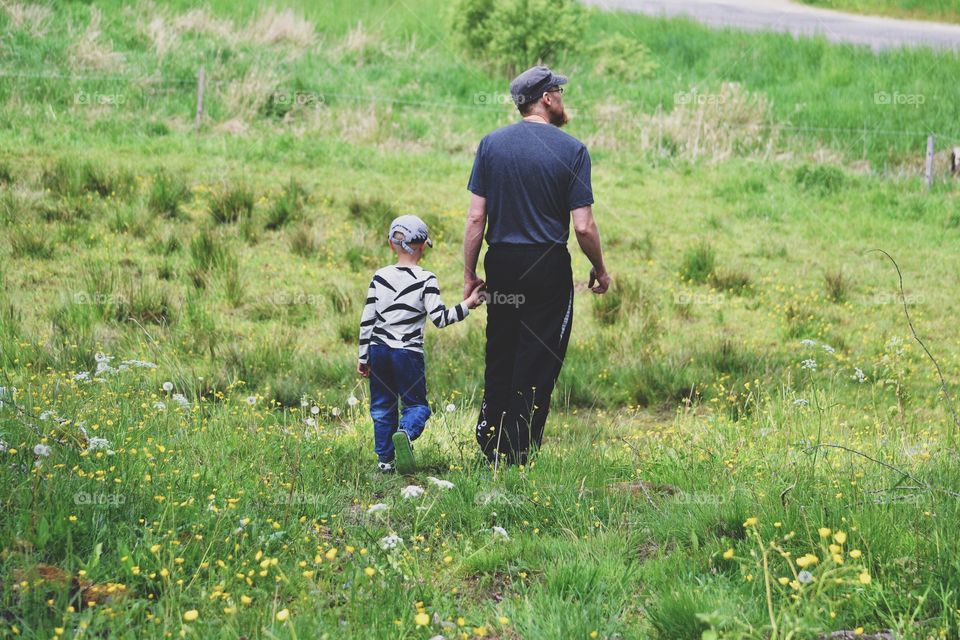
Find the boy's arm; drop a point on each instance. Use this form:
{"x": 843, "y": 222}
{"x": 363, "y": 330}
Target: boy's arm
{"x": 439, "y": 314}
{"x": 367, "y": 320}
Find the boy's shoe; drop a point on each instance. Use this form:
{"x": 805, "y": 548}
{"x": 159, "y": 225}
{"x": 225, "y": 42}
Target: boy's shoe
{"x": 403, "y": 450}
{"x": 386, "y": 467}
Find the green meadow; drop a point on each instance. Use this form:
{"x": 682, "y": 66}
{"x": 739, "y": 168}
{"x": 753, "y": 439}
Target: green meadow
{"x": 747, "y": 440}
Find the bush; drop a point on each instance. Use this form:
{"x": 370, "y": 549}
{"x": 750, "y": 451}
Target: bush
{"x": 837, "y": 286}
{"x": 304, "y": 241}
{"x": 372, "y": 212}
{"x": 823, "y": 178}
{"x": 623, "y": 57}
{"x": 69, "y": 178}
{"x": 699, "y": 262}
{"x": 515, "y": 34}
{"x": 167, "y": 194}
{"x": 231, "y": 203}
{"x": 288, "y": 206}
{"x": 30, "y": 242}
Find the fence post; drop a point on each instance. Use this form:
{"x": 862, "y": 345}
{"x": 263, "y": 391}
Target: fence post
{"x": 201, "y": 82}
{"x": 929, "y": 173}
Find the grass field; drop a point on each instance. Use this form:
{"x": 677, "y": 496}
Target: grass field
{"x": 747, "y": 440}
{"x": 940, "y": 10}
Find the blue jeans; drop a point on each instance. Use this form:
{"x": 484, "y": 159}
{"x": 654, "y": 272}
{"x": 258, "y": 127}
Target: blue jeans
{"x": 396, "y": 375}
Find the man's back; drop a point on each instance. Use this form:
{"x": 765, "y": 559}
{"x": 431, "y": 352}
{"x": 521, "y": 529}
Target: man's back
{"x": 532, "y": 175}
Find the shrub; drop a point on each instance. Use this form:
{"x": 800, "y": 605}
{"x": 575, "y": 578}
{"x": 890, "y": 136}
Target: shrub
{"x": 372, "y": 212}
{"x": 515, "y": 34}
{"x": 70, "y": 178}
{"x": 30, "y": 242}
{"x": 206, "y": 251}
{"x": 231, "y": 203}
{"x": 304, "y": 241}
{"x": 623, "y": 57}
{"x": 823, "y": 178}
{"x": 167, "y": 194}
{"x": 699, "y": 262}
{"x": 837, "y": 286}
{"x": 289, "y": 206}
{"x": 729, "y": 280}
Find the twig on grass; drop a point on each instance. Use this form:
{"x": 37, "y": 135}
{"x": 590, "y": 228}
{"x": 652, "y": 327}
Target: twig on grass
{"x": 906, "y": 313}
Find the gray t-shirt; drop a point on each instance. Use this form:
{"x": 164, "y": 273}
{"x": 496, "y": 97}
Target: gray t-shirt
{"x": 532, "y": 175}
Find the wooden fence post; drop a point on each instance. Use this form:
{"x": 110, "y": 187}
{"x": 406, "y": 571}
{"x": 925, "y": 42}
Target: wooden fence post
{"x": 201, "y": 82}
{"x": 929, "y": 172}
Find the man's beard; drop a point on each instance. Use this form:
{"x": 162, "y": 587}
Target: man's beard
{"x": 559, "y": 119}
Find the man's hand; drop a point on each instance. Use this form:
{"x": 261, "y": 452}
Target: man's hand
{"x": 363, "y": 369}
{"x": 470, "y": 282}
{"x": 602, "y": 281}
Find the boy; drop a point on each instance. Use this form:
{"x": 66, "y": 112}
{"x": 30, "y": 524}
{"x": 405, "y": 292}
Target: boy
{"x": 399, "y": 300}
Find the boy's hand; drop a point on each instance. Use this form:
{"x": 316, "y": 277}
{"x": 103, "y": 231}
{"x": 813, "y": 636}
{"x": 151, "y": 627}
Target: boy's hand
{"x": 363, "y": 369}
{"x": 475, "y": 299}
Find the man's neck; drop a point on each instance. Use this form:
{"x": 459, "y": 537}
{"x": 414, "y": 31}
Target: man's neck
{"x": 535, "y": 118}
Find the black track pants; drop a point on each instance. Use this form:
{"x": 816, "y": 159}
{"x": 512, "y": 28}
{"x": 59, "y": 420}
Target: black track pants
{"x": 529, "y": 315}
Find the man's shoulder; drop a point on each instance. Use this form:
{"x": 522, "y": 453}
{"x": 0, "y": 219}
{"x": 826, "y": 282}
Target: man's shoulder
{"x": 511, "y": 134}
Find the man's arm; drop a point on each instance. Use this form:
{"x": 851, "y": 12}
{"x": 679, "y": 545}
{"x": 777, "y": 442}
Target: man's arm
{"x": 472, "y": 240}
{"x": 588, "y": 237}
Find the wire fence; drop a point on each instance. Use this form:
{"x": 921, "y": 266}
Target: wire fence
{"x": 497, "y": 104}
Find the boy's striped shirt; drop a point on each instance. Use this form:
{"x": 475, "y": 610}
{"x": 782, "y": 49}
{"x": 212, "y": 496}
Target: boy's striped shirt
{"x": 399, "y": 301}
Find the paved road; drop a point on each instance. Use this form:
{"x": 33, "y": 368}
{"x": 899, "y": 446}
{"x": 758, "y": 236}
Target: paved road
{"x": 799, "y": 20}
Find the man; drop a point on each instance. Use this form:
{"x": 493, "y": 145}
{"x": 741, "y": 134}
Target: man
{"x": 528, "y": 180}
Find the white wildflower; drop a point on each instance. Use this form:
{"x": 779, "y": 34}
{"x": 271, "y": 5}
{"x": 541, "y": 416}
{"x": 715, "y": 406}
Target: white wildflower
{"x": 443, "y": 484}
{"x": 377, "y": 508}
{"x": 168, "y": 386}
{"x": 810, "y": 364}
{"x": 159, "y": 405}
{"x": 801, "y": 402}
{"x": 46, "y": 415}
{"x": 314, "y": 409}
{"x": 310, "y": 422}
{"x": 83, "y": 375}
{"x": 804, "y": 577}
{"x": 391, "y": 541}
{"x": 451, "y": 408}
{"x": 352, "y": 401}
{"x": 828, "y": 348}
{"x": 335, "y": 411}
{"x": 500, "y": 532}
{"x": 95, "y": 444}
{"x": 143, "y": 364}
{"x": 3, "y": 445}
{"x": 304, "y": 404}
{"x": 808, "y": 342}
{"x": 181, "y": 400}
{"x": 251, "y": 400}
{"x": 41, "y": 450}
{"x": 859, "y": 375}
{"x": 411, "y": 491}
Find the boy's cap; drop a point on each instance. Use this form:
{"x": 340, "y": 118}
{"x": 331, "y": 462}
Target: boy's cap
{"x": 530, "y": 85}
{"x": 411, "y": 230}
